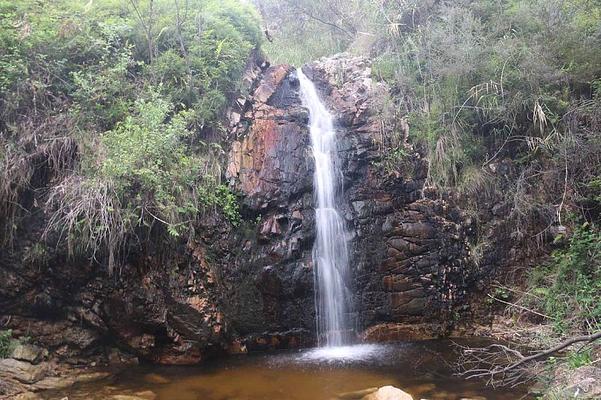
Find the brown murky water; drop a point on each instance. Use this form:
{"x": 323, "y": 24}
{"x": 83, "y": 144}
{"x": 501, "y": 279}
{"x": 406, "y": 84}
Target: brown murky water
{"x": 424, "y": 369}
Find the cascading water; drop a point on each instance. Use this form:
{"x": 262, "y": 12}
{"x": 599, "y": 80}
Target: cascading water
{"x": 330, "y": 253}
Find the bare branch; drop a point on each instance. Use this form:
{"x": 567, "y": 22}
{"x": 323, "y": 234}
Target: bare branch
{"x": 520, "y": 307}
{"x": 503, "y": 365}
{"x": 318, "y": 19}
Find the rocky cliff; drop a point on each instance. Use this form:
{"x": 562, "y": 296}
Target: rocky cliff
{"x": 409, "y": 252}
{"x": 235, "y": 289}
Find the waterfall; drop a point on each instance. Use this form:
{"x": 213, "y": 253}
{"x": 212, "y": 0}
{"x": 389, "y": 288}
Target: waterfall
{"x": 330, "y": 252}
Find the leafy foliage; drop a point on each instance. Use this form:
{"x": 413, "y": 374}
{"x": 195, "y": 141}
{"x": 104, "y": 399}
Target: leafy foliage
{"x": 568, "y": 288}
{"x": 110, "y": 116}
{"x": 6, "y": 343}
{"x": 470, "y": 83}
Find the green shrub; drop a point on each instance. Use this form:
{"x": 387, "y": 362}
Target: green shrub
{"x": 577, "y": 359}
{"x": 568, "y": 288}
{"x": 146, "y": 153}
{"x": 146, "y": 176}
{"x": 118, "y": 106}
{"x": 6, "y": 343}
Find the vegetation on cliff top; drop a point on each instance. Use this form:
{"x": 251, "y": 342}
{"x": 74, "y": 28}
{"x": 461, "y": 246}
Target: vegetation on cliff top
{"x": 110, "y": 115}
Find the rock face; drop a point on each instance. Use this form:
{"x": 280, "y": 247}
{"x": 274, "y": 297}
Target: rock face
{"x": 162, "y": 313}
{"x": 267, "y": 278}
{"x": 251, "y": 287}
{"x": 409, "y": 252}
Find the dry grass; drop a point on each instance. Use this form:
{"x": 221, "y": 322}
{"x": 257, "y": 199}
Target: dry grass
{"x": 89, "y": 215}
{"x": 33, "y": 144}
{"x": 16, "y": 171}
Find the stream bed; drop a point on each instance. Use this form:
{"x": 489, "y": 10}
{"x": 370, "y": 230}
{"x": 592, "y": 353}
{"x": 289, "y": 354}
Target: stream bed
{"x": 423, "y": 369}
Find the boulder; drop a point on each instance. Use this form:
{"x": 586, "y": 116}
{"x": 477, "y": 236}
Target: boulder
{"x": 28, "y": 352}
{"x": 388, "y": 393}
{"x": 22, "y": 371}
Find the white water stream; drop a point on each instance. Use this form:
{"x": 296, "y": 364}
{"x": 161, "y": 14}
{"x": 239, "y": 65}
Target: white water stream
{"x": 330, "y": 252}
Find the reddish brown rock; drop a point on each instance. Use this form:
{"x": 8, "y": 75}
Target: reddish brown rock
{"x": 271, "y": 82}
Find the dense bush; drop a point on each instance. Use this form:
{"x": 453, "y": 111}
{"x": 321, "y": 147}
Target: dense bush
{"x": 568, "y": 287}
{"x": 110, "y": 115}
{"x": 6, "y": 343}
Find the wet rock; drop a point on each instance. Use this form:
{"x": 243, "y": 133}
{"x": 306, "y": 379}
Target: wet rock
{"x": 66, "y": 381}
{"x": 388, "y": 393}
{"x": 26, "y": 396}
{"x": 22, "y": 371}
{"x": 147, "y": 394}
{"x": 29, "y": 352}
{"x": 54, "y": 382}
{"x": 391, "y": 332}
{"x": 273, "y": 78}
{"x": 156, "y": 379}
{"x": 237, "y": 347}
{"x": 117, "y": 357}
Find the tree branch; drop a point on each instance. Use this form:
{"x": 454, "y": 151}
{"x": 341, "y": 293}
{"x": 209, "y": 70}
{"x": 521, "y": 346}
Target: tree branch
{"x": 544, "y": 354}
{"x": 310, "y": 15}
{"x": 487, "y": 361}
{"x": 520, "y": 307}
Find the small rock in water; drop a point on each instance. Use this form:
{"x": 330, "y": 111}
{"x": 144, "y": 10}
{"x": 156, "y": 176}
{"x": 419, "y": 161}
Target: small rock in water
{"x": 156, "y": 378}
{"x": 359, "y": 394}
{"x": 424, "y": 388}
{"x": 388, "y": 393}
{"x": 147, "y": 394}
{"x": 116, "y": 357}
{"x": 90, "y": 376}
